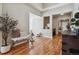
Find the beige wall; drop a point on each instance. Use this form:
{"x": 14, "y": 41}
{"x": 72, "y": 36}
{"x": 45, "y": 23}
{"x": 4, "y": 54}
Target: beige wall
{"x": 0, "y": 31}
{"x": 0, "y": 9}
{"x": 20, "y": 12}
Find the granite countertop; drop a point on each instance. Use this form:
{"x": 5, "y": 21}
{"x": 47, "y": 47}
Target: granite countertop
{"x": 68, "y": 33}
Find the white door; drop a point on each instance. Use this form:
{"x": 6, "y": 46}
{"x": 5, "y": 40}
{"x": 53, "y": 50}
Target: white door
{"x": 35, "y": 24}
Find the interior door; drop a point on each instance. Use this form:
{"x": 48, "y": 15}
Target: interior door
{"x": 35, "y": 24}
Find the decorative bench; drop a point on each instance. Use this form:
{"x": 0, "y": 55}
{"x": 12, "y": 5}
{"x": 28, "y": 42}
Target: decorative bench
{"x": 20, "y": 40}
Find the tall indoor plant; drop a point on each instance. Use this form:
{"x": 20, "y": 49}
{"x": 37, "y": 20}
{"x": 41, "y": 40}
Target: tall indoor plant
{"x": 6, "y": 25}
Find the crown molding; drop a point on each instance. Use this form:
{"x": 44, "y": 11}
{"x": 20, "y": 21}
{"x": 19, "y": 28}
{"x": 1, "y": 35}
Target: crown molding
{"x": 48, "y": 8}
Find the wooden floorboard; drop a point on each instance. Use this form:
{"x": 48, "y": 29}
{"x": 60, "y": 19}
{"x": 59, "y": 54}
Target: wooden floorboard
{"x": 41, "y": 46}
{"x": 57, "y": 45}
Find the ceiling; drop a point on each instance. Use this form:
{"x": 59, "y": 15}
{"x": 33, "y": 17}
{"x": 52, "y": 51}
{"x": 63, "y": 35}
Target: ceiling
{"x": 45, "y": 6}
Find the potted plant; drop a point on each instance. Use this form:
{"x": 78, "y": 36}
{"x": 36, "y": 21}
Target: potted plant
{"x": 77, "y": 27}
{"x": 76, "y": 15}
{"x": 7, "y": 25}
{"x": 75, "y": 22}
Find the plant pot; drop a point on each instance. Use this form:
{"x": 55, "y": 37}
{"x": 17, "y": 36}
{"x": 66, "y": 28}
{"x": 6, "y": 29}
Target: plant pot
{"x": 5, "y": 49}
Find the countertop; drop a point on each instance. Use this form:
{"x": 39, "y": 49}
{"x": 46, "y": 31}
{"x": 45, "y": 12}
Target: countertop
{"x": 68, "y": 33}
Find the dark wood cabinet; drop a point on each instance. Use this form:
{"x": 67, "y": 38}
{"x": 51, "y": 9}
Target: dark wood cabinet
{"x": 70, "y": 44}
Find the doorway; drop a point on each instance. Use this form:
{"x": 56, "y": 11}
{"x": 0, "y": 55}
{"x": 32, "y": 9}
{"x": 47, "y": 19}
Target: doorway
{"x": 35, "y": 24}
{"x": 60, "y": 22}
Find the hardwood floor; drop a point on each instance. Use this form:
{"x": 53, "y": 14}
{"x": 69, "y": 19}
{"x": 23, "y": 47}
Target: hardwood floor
{"x": 57, "y": 45}
{"x": 41, "y": 46}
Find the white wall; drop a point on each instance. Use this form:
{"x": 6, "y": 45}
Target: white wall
{"x": 62, "y": 9}
{"x": 0, "y": 31}
{"x": 20, "y": 12}
{"x": 0, "y": 9}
